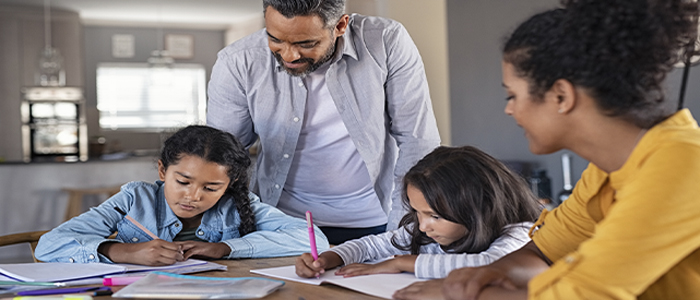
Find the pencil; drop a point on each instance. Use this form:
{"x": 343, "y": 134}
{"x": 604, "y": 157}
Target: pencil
{"x": 130, "y": 219}
{"x": 312, "y": 236}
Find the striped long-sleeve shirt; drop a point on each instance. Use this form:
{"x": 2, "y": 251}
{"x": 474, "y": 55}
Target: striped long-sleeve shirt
{"x": 432, "y": 262}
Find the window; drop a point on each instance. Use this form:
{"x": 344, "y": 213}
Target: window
{"x": 138, "y": 96}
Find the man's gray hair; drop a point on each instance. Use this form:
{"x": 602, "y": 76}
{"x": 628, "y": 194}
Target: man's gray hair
{"x": 329, "y": 11}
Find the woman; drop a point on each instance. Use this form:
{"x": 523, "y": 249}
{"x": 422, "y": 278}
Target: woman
{"x": 589, "y": 78}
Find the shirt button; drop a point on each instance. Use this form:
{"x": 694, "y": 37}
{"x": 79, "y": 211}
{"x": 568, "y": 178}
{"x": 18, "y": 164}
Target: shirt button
{"x": 134, "y": 239}
{"x": 71, "y": 260}
{"x": 177, "y": 224}
{"x": 569, "y": 259}
{"x": 277, "y": 186}
{"x": 200, "y": 232}
{"x": 296, "y": 119}
{"x": 301, "y": 84}
{"x": 285, "y": 156}
{"x": 91, "y": 257}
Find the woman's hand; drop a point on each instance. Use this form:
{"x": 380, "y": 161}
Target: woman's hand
{"x": 197, "y": 249}
{"x": 400, "y": 263}
{"x": 151, "y": 253}
{"x": 307, "y": 267}
{"x": 431, "y": 289}
{"x": 468, "y": 283}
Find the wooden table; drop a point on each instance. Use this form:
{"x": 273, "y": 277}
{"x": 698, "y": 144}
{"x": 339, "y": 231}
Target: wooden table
{"x": 290, "y": 291}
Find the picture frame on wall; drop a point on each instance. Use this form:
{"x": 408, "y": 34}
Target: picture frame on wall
{"x": 179, "y": 45}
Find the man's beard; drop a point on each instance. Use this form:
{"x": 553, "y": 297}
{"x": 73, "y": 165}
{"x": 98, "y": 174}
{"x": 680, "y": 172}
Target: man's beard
{"x": 312, "y": 65}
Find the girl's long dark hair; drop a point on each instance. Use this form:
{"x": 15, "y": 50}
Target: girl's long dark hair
{"x": 221, "y": 148}
{"x": 466, "y": 186}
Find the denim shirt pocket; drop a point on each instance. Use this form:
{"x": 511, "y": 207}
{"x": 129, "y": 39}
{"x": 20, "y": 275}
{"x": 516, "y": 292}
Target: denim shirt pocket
{"x": 127, "y": 232}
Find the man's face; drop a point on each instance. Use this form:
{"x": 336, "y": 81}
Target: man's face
{"x": 303, "y": 43}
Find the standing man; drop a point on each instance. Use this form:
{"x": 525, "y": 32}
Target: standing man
{"x": 341, "y": 107}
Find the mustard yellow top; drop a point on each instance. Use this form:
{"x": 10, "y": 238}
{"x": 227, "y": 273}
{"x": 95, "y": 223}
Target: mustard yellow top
{"x": 633, "y": 233}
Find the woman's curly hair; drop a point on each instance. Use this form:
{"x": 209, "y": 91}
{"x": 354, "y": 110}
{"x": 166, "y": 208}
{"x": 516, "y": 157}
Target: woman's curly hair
{"x": 221, "y": 148}
{"x": 619, "y": 51}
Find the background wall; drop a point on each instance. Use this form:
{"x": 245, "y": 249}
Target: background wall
{"x": 476, "y": 32}
{"x": 98, "y": 49}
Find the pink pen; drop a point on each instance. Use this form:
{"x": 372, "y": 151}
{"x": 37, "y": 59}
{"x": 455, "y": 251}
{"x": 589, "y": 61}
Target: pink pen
{"x": 312, "y": 236}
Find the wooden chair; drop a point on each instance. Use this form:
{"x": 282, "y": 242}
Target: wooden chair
{"x": 23, "y": 237}
{"x": 75, "y": 198}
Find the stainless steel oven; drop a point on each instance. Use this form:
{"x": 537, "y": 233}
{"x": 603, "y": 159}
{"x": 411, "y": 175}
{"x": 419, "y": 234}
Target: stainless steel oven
{"x": 53, "y": 124}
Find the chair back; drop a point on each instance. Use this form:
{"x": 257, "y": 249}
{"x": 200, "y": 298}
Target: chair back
{"x": 31, "y": 237}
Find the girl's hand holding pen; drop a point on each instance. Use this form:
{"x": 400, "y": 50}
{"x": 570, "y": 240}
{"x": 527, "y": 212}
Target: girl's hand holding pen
{"x": 151, "y": 253}
{"x": 307, "y": 267}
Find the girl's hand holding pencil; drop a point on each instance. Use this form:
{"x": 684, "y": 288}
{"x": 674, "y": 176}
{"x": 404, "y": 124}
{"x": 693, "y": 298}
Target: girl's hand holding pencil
{"x": 151, "y": 253}
{"x": 307, "y": 267}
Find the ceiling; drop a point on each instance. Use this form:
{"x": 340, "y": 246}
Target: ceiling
{"x": 167, "y": 13}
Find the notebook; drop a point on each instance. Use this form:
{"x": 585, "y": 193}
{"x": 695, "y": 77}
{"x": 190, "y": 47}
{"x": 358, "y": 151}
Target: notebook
{"x": 378, "y": 285}
{"x": 60, "y": 272}
{"x": 173, "y": 286}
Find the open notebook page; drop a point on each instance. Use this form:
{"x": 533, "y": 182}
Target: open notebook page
{"x": 379, "y": 285}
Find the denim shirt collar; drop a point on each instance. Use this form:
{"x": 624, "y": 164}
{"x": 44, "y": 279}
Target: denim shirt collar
{"x": 166, "y": 216}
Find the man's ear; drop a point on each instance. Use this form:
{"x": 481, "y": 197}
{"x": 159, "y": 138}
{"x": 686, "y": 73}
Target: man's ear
{"x": 161, "y": 170}
{"x": 565, "y": 93}
{"x": 341, "y": 26}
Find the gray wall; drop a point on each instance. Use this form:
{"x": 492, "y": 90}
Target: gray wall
{"x": 98, "y": 49}
{"x": 476, "y": 30}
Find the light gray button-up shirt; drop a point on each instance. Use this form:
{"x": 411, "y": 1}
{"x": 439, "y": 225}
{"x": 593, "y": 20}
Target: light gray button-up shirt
{"x": 377, "y": 83}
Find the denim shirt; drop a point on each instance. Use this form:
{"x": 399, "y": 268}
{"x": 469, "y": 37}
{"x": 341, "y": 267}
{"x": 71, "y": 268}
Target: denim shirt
{"x": 377, "y": 83}
{"x": 77, "y": 240}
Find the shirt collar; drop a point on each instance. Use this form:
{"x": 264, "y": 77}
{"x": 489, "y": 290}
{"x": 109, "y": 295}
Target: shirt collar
{"x": 166, "y": 216}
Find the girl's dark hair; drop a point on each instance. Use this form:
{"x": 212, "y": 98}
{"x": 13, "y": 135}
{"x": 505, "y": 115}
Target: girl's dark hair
{"x": 618, "y": 50}
{"x": 466, "y": 186}
{"x": 221, "y": 148}
{"x": 329, "y": 11}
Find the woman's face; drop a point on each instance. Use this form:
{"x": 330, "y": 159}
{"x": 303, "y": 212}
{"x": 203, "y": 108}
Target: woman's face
{"x": 539, "y": 119}
{"x": 442, "y": 231}
{"x": 193, "y": 185}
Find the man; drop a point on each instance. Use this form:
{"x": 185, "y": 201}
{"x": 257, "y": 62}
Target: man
{"x": 341, "y": 107}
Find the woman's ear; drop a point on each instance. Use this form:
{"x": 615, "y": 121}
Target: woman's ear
{"x": 161, "y": 170}
{"x": 565, "y": 94}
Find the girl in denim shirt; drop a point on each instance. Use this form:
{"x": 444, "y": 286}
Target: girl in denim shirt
{"x": 200, "y": 207}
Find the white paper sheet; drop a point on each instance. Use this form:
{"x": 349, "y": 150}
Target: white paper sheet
{"x": 379, "y": 285}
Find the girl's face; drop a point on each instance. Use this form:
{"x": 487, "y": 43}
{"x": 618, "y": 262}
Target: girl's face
{"x": 537, "y": 118}
{"x": 442, "y": 231}
{"x": 193, "y": 185}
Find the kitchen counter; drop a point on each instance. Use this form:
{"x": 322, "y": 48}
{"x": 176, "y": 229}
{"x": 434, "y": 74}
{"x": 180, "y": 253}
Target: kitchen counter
{"x": 31, "y": 196}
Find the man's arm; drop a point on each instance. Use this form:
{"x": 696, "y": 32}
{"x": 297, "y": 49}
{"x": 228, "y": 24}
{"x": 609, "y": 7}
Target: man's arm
{"x": 410, "y": 109}
{"x": 227, "y": 107}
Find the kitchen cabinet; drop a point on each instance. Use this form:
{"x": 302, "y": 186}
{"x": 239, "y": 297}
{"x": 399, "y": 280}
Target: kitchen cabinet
{"x": 21, "y": 40}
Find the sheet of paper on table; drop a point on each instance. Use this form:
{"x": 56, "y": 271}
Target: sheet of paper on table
{"x": 379, "y": 285}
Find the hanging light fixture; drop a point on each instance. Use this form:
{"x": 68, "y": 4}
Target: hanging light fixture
{"x": 51, "y": 72}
